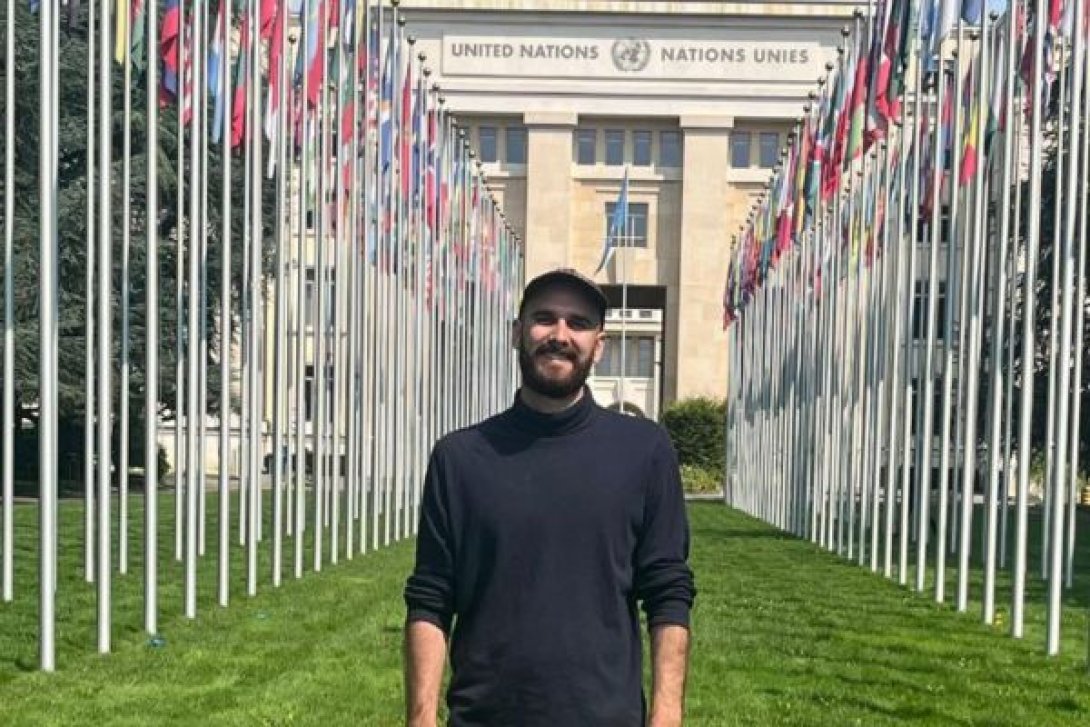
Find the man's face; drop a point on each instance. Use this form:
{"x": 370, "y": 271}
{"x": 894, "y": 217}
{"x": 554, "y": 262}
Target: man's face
{"x": 559, "y": 338}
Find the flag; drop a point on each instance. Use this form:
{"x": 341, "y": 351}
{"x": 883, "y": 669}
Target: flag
{"x": 170, "y": 52}
{"x": 312, "y": 62}
{"x": 273, "y": 121}
{"x": 268, "y": 18}
{"x": 215, "y": 59}
{"x": 121, "y": 25}
{"x": 168, "y": 49}
{"x": 858, "y": 109}
{"x": 617, "y": 222}
{"x": 969, "y": 132}
{"x": 242, "y": 80}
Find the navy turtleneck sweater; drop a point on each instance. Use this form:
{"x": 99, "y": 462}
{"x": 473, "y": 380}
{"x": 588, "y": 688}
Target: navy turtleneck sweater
{"x": 539, "y": 533}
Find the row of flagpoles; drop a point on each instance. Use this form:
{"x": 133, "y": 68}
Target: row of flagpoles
{"x": 881, "y": 301}
{"x": 366, "y": 278}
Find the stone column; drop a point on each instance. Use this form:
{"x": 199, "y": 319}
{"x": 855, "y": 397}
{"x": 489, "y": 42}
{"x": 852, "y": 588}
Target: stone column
{"x": 700, "y": 355}
{"x": 548, "y": 190}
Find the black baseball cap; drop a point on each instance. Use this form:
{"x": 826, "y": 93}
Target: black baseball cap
{"x": 571, "y": 278}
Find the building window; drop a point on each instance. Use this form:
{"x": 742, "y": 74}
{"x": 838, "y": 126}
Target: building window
{"x": 486, "y": 143}
{"x": 516, "y": 144}
{"x": 639, "y": 357}
{"x": 770, "y": 149}
{"x": 635, "y": 231}
{"x": 310, "y": 404}
{"x": 669, "y": 149}
{"x": 614, "y": 147}
{"x": 641, "y": 148}
{"x": 586, "y": 146}
{"x": 310, "y": 312}
{"x": 739, "y": 149}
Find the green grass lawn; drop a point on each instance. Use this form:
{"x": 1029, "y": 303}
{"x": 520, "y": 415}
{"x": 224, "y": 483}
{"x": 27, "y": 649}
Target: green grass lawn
{"x": 784, "y": 633}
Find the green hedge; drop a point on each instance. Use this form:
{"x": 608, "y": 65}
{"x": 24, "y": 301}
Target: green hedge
{"x": 696, "y": 427}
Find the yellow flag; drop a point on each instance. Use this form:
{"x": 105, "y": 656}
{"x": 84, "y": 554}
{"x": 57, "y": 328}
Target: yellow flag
{"x": 121, "y": 14}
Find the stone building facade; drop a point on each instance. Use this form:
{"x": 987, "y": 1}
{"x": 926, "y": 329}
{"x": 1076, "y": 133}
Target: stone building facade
{"x": 692, "y": 99}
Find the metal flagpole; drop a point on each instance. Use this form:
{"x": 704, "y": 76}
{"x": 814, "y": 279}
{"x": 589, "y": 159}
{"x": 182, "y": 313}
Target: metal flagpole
{"x": 927, "y": 410}
{"x": 1060, "y": 488}
{"x": 1016, "y": 123}
{"x": 180, "y": 287}
{"x": 974, "y": 295}
{"x": 202, "y": 307}
{"x": 104, "y": 399}
{"x": 885, "y": 347}
{"x": 252, "y": 134}
{"x": 280, "y": 400}
{"x": 226, "y": 336}
{"x": 319, "y": 332}
{"x": 336, "y": 156}
{"x": 89, "y": 310}
{"x": 151, "y": 306}
{"x": 1051, "y": 450}
{"x": 352, "y": 254}
{"x": 7, "y": 585}
{"x": 1080, "y": 316}
{"x": 911, "y": 361}
{"x": 48, "y": 294}
{"x": 301, "y": 399}
{"x": 192, "y": 329}
{"x": 624, "y": 300}
{"x": 180, "y": 463}
{"x": 126, "y": 225}
{"x": 999, "y": 376}
{"x": 954, "y": 268}
{"x": 899, "y": 295}
{"x": 1025, "y": 408}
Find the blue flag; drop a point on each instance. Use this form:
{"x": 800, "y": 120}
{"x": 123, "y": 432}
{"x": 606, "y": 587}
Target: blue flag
{"x": 617, "y": 222}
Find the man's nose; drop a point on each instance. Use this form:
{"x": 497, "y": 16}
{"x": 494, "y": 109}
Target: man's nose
{"x": 561, "y": 333}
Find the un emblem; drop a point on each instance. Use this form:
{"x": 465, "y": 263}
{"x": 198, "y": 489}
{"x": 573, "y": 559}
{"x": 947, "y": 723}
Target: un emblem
{"x": 631, "y": 55}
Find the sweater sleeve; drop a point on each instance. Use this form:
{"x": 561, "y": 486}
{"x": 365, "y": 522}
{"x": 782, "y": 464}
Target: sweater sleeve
{"x": 429, "y": 591}
{"x": 664, "y": 581}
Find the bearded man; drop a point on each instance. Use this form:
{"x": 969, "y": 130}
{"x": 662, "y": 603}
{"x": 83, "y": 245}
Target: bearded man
{"x": 541, "y": 530}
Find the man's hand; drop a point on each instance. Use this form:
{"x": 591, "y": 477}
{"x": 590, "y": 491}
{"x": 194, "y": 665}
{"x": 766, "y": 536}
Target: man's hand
{"x": 669, "y": 663}
{"x": 425, "y": 655}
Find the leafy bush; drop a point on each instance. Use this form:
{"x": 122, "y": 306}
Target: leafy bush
{"x": 700, "y": 479}
{"x": 696, "y": 427}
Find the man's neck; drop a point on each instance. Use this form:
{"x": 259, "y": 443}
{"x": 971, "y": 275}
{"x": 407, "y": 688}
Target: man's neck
{"x": 547, "y": 404}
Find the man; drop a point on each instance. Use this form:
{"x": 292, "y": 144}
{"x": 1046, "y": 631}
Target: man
{"x": 540, "y": 530}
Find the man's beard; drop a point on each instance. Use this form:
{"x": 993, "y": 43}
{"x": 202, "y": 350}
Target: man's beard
{"x": 553, "y": 387}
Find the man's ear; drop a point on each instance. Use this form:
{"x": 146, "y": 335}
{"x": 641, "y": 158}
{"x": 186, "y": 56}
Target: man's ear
{"x": 516, "y": 333}
{"x": 599, "y": 345}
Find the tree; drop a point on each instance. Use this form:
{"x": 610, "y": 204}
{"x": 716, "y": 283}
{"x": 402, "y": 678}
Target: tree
{"x": 73, "y": 187}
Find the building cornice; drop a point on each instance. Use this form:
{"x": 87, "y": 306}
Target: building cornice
{"x": 826, "y": 8}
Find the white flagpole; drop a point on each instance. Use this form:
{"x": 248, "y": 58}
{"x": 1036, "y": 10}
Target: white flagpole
{"x": 256, "y": 308}
{"x": 89, "y": 310}
{"x": 180, "y": 459}
{"x": 974, "y": 295}
{"x": 301, "y": 399}
{"x": 226, "y": 335}
{"x": 926, "y": 431}
{"x": 192, "y": 343}
{"x": 1080, "y": 316}
{"x": 624, "y": 298}
{"x": 1028, "y": 327}
{"x": 104, "y": 400}
{"x": 7, "y": 585}
{"x": 1067, "y": 341}
{"x": 126, "y": 225}
{"x": 999, "y": 375}
{"x": 47, "y": 291}
{"x": 151, "y": 306}
{"x": 280, "y": 402}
